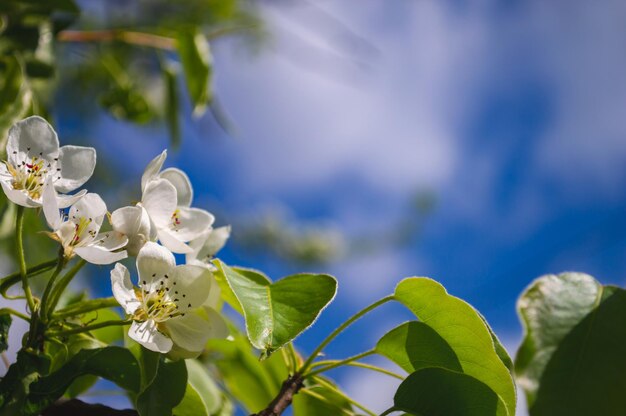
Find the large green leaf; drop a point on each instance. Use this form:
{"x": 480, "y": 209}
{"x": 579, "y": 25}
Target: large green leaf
{"x": 195, "y": 56}
{"x": 415, "y": 345}
{"x": 276, "y": 313}
{"x": 165, "y": 391}
{"x": 112, "y": 363}
{"x": 573, "y": 357}
{"x": 441, "y": 392}
{"x": 202, "y": 396}
{"x": 463, "y": 329}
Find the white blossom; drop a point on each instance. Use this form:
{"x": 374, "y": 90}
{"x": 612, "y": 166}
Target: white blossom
{"x": 207, "y": 245}
{"x": 34, "y": 156}
{"x": 78, "y": 232}
{"x": 166, "y": 198}
{"x": 166, "y": 305}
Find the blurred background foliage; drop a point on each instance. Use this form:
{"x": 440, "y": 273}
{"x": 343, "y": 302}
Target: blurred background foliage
{"x": 149, "y": 63}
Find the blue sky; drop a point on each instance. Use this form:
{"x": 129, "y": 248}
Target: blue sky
{"x": 513, "y": 114}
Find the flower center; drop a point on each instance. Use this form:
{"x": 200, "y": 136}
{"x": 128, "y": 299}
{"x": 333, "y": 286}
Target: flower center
{"x": 176, "y": 220}
{"x": 157, "y": 306}
{"x": 81, "y": 227}
{"x": 30, "y": 175}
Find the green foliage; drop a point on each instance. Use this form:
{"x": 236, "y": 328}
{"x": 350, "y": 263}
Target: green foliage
{"x": 276, "y": 313}
{"x": 112, "y": 363}
{"x": 15, "y": 385}
{"x": 5, "y": 325}
{"x": 164, "y": 383}
{"x": 321, "y": 400}
{"x": 195, "y": 56}
{"x": 252, "y": 382}
{"x": 440, "y": 392}
{"x": 202, "y": 395}
{"x": 465, "y": 332}
{"x": 573, "y": 357}
{"x": 415, "y": 345}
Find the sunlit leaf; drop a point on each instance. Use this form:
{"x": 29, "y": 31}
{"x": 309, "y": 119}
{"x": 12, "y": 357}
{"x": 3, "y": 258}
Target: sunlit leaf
{"x": 276, "y": 313}
{"x": 415, "y": 345}
{"x": 464, "y": 331}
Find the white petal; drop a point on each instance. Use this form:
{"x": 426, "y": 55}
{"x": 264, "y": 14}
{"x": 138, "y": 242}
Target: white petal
{"x": 147, "y": 334}
{"x": 111, "y": 240}
{"x": 181, "y": 182}
{"x": 159, "y": 199}
{"x": 190, "y": 332}
{"x": 89, "y": 206}
{"x": 32, "y": 137}
{"x": 123, "y": 289}
{"x": 66, "y": 233}
{"x": 134, "y": 222}
{"x": 193, "y": 284}
{"x": 98, "y": 255}
{"x": 219, "y": 327}
{"x": 192, "y": 223}
{"x": 172, "y": 242}
{"x": 214, "y": 299}
{"x": 209, "y": 243}
{"x": 65, "y": 201}
{"x": 50, "y": 205}
{"x": 153, "y": 168}
{"x": 77, "y": 164}
{"x": 153, "y": 263}
{"x": 19, "y": 197}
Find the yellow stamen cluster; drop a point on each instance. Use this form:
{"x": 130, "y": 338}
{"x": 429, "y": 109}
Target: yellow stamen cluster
{"x": 29, "y": 177}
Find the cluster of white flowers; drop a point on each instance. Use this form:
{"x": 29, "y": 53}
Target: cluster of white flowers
{"x": 173, "y": 308}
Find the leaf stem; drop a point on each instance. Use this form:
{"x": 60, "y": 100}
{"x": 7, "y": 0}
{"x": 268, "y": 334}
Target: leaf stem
{"x": 341, "y": 327}
{"x": 19, "y": 225}
{"x": 65, "y": 280}
{"x": 87, "y": 328}
{"x": 388, "y": 411}
{"x": 329, "y": 365}
{"x": 46, "y": 294}
{"x": 344, "y": 396}
{"x": 374, "y": 368}
{"x": 14, "y": 313}
{"x": 84, "y": 307}
{"x": 13, "y": 278}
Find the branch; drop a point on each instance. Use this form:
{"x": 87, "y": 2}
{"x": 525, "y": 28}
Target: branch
{"x": 134, "y": 38}
{"x": 75, "y": 407}
{"x": 290, "y": 387}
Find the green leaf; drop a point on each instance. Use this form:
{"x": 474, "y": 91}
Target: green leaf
{"x": 112, "y": 363}
{"x": 202, "y": 396}
{"x": 276, "y": 313}
{"x": 5, "y": 325}
{"x": 127, "y": 103}
{"x": 172, "y": 118}
{"x": 252, "y": 382}
{"x": 15, "y": 385}
{"x": 441, "y": 392}
{"x": 573, "y": 357}
{"x": 166, "y": 390}
{"x": 463, "y": 329}
{"x": 415, "y": 345}
{"x": 500, "y": 350}
{"x": 195, "y": 57}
